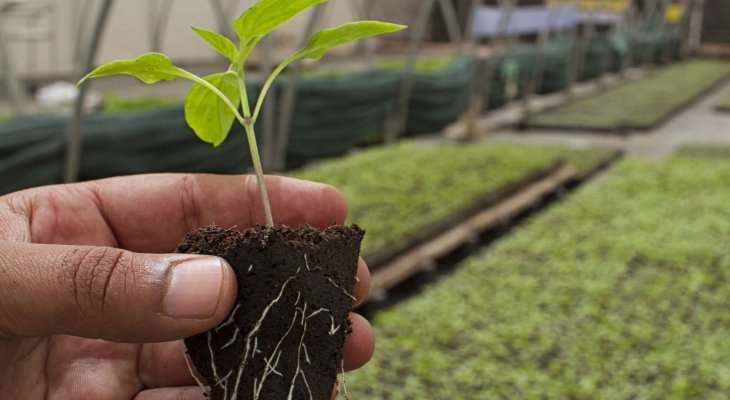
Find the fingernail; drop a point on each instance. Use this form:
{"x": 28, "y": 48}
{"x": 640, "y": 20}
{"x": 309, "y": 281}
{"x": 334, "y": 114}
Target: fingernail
{"x": 195, "y": 288}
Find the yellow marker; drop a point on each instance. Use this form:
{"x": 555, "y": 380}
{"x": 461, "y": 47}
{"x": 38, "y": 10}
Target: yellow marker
{"x": 674, "y": 14}
{"x": 611, "y": 5}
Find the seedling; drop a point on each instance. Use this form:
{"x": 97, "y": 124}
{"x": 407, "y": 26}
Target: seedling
{"x": 285, "y": 336}
{"x": 212, "y": 105}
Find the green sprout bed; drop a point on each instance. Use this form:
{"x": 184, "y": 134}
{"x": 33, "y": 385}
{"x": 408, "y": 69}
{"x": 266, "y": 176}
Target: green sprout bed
{"x": 640, "y": 104}
{"x": 724, "y": 104}
{"x": 423, "y": 65}
{"x": 396, "y": 192}
{"x": 705, "y": 151}
{"x": 113, "y": 104}
{"x": 622, "y": 292}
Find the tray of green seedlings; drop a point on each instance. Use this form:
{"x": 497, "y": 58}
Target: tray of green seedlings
{"x": 114, "y": 103}
{"x": 620, "y": 292}
{"x": 405, "y": 194}
{"x": 724, "y": 104}
{"x": 705, "y": 151}
{"x": 641, "y": 104}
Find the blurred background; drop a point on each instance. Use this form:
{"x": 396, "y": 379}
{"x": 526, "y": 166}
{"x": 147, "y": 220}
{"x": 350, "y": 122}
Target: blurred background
{"x": 458, "y": 59}
{"x": 543, "y": 182}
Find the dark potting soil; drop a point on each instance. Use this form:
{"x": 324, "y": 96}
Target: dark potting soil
{"x": 284, "y": 337}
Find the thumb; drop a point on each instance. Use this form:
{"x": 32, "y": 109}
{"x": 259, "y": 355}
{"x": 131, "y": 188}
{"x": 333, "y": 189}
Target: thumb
{"x": 111, "y": 294}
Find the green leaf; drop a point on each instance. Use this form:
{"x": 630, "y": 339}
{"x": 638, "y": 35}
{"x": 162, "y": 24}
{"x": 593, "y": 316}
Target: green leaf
{"x": 219, "y": 43}
{"x": 266, "y": 15}
{"x": 149, "y": 68}
{"x": 207, "y": 114}
{"x": 322, "y": 41}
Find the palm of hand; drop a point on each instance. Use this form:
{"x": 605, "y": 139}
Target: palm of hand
{"x": 69, "y": 368}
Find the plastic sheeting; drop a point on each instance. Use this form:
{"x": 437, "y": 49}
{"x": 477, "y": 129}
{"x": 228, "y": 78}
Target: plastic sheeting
{"x": 439, "y": 97}
{"x": 336, "y": 113}
{"x": 153, "y": 140}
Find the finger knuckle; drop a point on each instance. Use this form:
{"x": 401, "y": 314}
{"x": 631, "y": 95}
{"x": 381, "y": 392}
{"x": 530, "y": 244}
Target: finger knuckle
{"x": 94, "y": 275}
{"x": 188, "y": 197}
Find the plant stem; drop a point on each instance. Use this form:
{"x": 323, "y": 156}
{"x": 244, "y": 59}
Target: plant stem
{"x": 244, "y": 94}
{"x": 248, "y": 124}
{"x": 263, "y": 192}
{"x": 266, "y": 87}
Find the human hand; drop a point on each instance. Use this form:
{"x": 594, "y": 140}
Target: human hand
{"x": 70, "y": 297}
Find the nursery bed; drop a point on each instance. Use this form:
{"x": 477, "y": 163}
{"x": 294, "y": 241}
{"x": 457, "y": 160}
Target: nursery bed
{"x": 453, "y": 235}
{"x": 642, "y": 104}
{"x": 618, "y": 293}
{"x": 724, "y": 104}
{"x": 406, "y": 194}
{"x": 705, "y": 151}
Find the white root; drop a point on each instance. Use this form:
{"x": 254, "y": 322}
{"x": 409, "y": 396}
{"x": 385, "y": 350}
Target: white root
{"x": 251, "y": 335}
{"x": 306, "y": 354}
{"x": 333, "y": 329}
{"x": 269, "y": 368}
{"x": 212, "y": 358}
{"x": 321, "y": 310}
{"x": 231, "y": 319}
{"x": 341, "y": 288}
{"x": 195, "y": 375}
{"x": 251, "y": 346}
{"x": 344, "y": 380}
{"x": 299, "y": 371}
{"x": 233, "y": 339}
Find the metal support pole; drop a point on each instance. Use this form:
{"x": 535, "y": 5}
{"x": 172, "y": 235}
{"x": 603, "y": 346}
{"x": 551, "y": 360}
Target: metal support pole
{"x": 572, "y": 67}
{"x": 396, "y": 121}
{"x": 628, "y": 26}
{"x": 291, "y": 90}
{"x": 74, "y": 139}
{"x": 55, "y": 52}
{"x": 452, "y": 22}
{"x": 31, "y": 54}
{"x": 502, "y": 31}
{"x": 366, "y": 46}
{"x": 158, "y": 23}
{"x": 666, "y": 30}
{"x": 539, "y": 68}
{"x": 482, "y": 87}
{"x": 695, "y": 31}
{"x": 585, "y": 42}
{"x": 78, "y": 22}
{"x": 224, "y": 26}
{"x": 474, "y": 110}
{"x": 469, "y": 34}
{"x": 10, "y": 79}
{"x": 649, "y": 13}
{"x": 606, "y": 65}
{"x": 230, "y": 7}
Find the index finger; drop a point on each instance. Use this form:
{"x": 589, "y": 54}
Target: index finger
{"x": 152, "y": 213}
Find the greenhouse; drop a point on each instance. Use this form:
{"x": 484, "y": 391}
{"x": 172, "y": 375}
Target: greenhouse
{"x": 364, "y": 199}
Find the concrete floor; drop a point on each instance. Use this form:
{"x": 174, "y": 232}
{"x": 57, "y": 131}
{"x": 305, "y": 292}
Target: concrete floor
{"x": 699, "y": 123}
